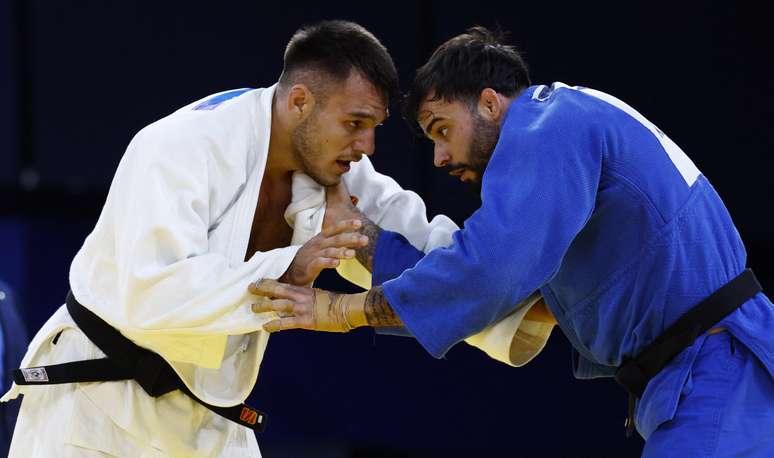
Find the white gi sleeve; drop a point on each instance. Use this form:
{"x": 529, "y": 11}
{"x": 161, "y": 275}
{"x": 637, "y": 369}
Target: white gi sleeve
{"x": 514, "y": 340}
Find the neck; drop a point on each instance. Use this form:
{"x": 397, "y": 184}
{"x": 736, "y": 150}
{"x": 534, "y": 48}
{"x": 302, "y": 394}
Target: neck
{"x": 505, "y": 104}
{"x": 280, "y": 162}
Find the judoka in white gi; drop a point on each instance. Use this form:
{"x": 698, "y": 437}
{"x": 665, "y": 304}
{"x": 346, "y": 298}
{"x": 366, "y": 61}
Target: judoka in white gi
{"x": 220, "y": 193}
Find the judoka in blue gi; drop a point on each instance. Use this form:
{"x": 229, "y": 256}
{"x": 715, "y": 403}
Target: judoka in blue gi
{"x": 586, "y": 201}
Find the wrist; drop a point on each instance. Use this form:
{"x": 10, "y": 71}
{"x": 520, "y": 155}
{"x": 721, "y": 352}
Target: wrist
{"x": 353, "y": 309}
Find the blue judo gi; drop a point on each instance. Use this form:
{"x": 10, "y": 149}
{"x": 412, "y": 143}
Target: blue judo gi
{"x": 589, "y": 202}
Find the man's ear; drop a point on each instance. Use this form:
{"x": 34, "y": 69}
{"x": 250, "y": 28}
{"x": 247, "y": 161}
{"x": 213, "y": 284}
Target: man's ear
{"x": 490, "y": 105}
{"x": 300, "y": 102}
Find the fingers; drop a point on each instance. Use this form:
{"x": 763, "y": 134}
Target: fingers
{"x": 283, "y": 324}
{"x": 337, "y": 253}
{"x": 348, "y": 240}
{"x": 272, "y": 288}
{"x": 348, "y": 225}
{"x": 318, "y": 264}
{"x": 330, "y": 259}
{"x": 267, "y": 305}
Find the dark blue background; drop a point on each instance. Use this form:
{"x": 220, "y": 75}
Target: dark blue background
{"x": 79, "y": 78}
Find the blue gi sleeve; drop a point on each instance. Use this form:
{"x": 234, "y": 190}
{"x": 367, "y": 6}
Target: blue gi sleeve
{"x": 393, "y": 254}
{"x": 538, "y": 192}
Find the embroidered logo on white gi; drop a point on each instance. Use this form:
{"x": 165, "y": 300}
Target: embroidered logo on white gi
{"x": 35, "y": 374}
{"x": 214, "y": 102}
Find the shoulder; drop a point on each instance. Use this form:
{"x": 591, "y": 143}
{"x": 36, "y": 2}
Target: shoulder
{"x": 547, "y": 127}
{"x": 532, "y": 119}
{"x": 213, "y": 123}
{"x": 554, "y": 105}
{"x": 224, "y": 101}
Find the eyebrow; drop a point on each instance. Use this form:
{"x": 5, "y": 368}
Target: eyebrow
{"x": 369, "y": 115}
{"x": 362, "y": 114}
{"x": 429, "y": 126}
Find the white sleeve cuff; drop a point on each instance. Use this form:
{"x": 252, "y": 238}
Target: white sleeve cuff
{"x": 514, "y": 340}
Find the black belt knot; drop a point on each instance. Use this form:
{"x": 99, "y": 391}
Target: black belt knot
{"x": 154, "y": 375}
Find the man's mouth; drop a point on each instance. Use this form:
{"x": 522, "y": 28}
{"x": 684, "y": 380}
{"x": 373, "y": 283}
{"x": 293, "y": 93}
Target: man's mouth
{"x": 457, "y": 172}
{"x": 343, "y": 166}
{"x": 344, "y": 163}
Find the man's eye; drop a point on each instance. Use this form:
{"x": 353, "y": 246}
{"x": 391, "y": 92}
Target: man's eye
{"x": 443, "y": 131}
{"x": 354, "y": 124}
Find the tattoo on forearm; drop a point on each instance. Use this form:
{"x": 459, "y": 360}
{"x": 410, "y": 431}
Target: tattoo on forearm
{"x": 366, "y": 254}
{"x": 378, "y": 312}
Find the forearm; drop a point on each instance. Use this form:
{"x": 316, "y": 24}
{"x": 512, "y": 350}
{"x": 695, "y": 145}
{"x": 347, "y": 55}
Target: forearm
{"x": 311, "y": 308}
{"x": 366, "y": 254}
{"x": 378, "y": 312}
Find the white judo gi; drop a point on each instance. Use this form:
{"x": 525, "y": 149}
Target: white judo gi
{"x": 165, "y": 264}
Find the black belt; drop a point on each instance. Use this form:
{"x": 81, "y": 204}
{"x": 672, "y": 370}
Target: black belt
{"x": 634, "y": 374}
{"x": 125, "y": 361}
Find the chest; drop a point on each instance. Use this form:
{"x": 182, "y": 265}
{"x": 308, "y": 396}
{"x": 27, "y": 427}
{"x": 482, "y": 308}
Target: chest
{"x": 269, "y": 229}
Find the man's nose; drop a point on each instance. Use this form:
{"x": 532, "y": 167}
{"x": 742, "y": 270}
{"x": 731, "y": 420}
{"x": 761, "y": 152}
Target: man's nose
{"x": 365, "y": 143}
{"x": 440, "y": 156}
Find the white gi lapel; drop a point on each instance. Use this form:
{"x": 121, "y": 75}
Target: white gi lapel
{"x": 305, "y": 215}
{"x": 245, "y": 206}
{"x": 306, "y": 210}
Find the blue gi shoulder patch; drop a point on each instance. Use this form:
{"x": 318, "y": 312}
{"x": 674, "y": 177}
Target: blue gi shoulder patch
{"x": 213, "y": 102}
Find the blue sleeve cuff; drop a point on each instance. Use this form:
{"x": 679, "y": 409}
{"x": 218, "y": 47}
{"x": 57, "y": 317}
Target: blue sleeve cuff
{"x": 393, "y": 255}
{"x": 418, "y": 328}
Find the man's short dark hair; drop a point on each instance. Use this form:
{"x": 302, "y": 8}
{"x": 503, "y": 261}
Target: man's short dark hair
{"x": 332, "y": 49}
{"x": 463, "y": 67}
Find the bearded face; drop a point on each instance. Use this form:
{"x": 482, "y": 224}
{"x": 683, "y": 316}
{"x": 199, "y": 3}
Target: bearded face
{"x": 482, "y": 144}
{"x": 463, "y": 139}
